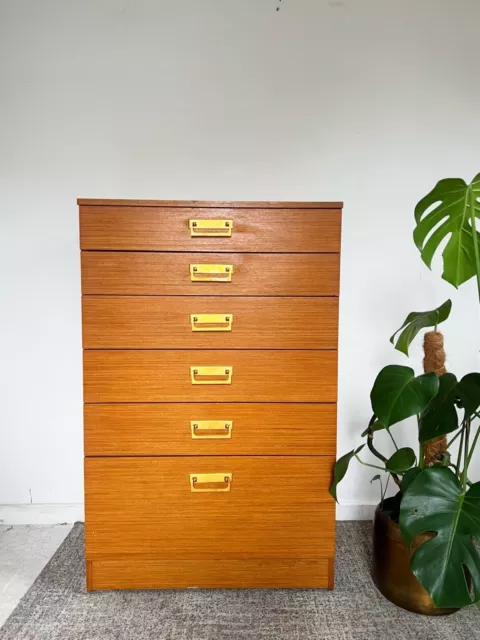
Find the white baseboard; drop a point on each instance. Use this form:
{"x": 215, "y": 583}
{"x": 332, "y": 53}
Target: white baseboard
{"x": 41, "y": 513}
{"x": 69, "y": 513}
{"x": 352, "y": 510}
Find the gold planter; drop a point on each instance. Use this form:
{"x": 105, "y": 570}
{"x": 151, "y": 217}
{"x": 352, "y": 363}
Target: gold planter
{"x": 391, "y": 569}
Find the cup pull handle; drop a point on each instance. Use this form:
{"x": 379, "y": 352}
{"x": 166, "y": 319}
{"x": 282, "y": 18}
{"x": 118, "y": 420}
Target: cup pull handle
{"x": 210, "y": 482}
{"x": 211, "y": 272}
{"x": 211, "y": 321}
{"x": 211, "y": 228}
{"x": 211, "y": 429}
{"x": 211, "y": 375}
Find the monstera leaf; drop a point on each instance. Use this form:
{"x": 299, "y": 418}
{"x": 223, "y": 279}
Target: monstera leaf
{"x": 409, "y": 476}
{"x": 452, "y": 216}
{"x": 341, "y": 468}
{"x": 401, "y": 461}
{"x": 440, "y": 416}
{"x": 469, "y": 393}
{"x": 448, "y": 565}
{"x": 420, "y": 320}
{"x": 397, "y": 394}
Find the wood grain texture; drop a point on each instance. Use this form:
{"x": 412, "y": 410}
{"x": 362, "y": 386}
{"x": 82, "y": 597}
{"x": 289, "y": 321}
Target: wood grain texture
{"x": 166, "y": 229}
{"x": 164, "y": 429}
{"x": 331, "y": 574}
{"x": 278, "y": 507}
{"x": 254, "y": 274}
{"x": 164, "y": 376}
{"x": 262, "y": 204}
{"x": 89, "y": 575}
{"x": 145, "y": 527}
{"x": 220, "y": 573}
{"x": 150, "y": 322}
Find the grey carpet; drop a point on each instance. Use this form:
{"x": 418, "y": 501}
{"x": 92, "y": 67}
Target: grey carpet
{"x": 57, "y": 607}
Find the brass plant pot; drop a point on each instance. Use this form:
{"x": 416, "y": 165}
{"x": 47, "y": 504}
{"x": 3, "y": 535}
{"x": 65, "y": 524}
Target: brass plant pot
{"x": 391, "y": 568}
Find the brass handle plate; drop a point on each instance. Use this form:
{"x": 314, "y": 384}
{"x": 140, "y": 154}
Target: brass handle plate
{"x": 211, "y": 228}
{"x": 211, "y": 429}
{"x": 211, "y": 321}
{"x": 211, "y": 375}
{"x": 210, "y": 482}
{"x": 211, "y": 272}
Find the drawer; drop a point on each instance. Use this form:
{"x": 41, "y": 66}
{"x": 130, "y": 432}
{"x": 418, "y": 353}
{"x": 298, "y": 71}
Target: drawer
{"x": 242, "y": 376}
{"x": 168, "y": 229}
{"x": 275, "y": 507}
{"x": 136, "y": 273}
{"x": 150, "y": 322}
{"x": 221, "y": 429}
{"x": 208, "y": 573}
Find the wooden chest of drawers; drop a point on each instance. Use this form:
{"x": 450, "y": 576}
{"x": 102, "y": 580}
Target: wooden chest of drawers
{"x": 210, "y": 378}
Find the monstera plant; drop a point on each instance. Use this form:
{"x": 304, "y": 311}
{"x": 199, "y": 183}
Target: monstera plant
{"x": 451, "y": 209}
{"x": 437, "y": 498}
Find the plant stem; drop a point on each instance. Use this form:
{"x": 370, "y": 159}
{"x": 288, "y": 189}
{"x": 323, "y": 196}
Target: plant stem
{"x": 465, "y": 455}
{"x": 385, "y": 492}
{"x": 376, "y": 453}
{"x": 366, "y": 464}
{"x": 454, "y": 466}
{"x": 449, "y": 444}
{"x": 460, "y": 451}
{"x": 472, "y": 449}
{"x": 393, "y": 439}
{"x": 474, "y": 235}
{"x": 381, "y": 457}
{"x": 421, "y": 450}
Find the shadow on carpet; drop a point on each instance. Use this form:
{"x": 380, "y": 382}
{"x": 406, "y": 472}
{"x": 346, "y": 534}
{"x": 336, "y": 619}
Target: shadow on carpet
{"x": 57, "y": 607}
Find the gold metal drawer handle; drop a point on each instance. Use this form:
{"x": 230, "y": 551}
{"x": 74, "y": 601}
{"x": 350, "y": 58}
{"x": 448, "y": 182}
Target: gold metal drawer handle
{"x": 211, "y": 321}
{"x": 211, "y": 375}
{"x": 211, "y": 272}
{"x": 210, "y": 482}
{"x": 211, "y": 429}
{"x": 211, "y": 228}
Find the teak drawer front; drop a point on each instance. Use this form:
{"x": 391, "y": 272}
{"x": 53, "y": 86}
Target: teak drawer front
{"x": 205, "y": 573}
{"x": 262, "y": 274}
{"x": 251, "y": 428}
{"x": 150, "y": 322}
{"x": 166, "y": 376}
{"x": 168, "y": 229}
{"x": 276, "y": 507}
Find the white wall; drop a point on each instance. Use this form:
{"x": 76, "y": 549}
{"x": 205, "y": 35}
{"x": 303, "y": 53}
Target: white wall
{"x": 367, "y": 101}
